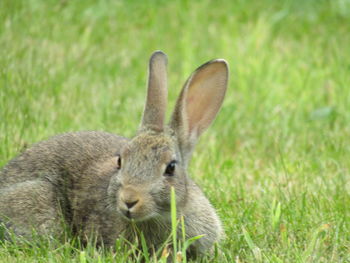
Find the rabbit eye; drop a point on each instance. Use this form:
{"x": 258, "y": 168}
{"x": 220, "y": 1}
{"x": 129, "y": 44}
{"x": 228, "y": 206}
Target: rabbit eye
{"x": 170, "y": 169}
{"x": 119, "y": 161}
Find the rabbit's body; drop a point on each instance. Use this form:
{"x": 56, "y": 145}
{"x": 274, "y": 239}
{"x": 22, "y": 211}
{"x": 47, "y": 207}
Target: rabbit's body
{"x": 65, "y": 173}
{"x": 95, "y": 182}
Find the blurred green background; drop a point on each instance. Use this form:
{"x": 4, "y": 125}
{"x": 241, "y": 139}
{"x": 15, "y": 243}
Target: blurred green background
{"x": 276, "y": 161}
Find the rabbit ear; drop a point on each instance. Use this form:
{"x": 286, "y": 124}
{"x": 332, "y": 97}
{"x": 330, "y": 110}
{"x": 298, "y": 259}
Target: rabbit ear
{"x": 198, "y": 103}
{"x": 157, "y": 93}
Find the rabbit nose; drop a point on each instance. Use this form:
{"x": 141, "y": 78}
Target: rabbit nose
{"x": 129, "y": 197}
{"x": 131, "y": 204}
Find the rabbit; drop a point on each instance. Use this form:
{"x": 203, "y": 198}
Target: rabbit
{"x": 100, "y": 184}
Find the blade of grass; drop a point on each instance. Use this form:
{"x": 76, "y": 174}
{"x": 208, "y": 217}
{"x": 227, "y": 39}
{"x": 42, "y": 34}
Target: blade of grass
{"x": 173, "y": 221}
{"x": 144, "y": 248}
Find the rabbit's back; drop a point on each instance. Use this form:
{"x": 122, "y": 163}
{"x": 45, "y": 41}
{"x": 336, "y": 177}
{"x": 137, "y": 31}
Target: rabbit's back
{"x": 65, "y": 155}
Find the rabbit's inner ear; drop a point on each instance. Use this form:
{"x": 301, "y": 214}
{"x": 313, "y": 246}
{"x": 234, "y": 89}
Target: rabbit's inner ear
{"x": 157, "y": 93}
{"x": 204, "y": 96}
{"x": 199, "y": 102}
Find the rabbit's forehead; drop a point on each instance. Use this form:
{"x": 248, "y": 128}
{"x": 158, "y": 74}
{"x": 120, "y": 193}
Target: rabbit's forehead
{"x": 151, "y": 145}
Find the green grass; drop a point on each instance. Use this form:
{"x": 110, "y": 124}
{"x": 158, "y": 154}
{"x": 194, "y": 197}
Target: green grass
{"x": 275, "y": 163}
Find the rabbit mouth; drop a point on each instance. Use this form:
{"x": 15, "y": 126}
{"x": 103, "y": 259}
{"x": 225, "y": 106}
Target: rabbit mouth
{"x": 128, "y": 215}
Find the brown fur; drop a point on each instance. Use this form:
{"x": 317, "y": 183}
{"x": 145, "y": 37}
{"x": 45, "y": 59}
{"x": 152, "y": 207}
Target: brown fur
{"x": 76, "y": 176}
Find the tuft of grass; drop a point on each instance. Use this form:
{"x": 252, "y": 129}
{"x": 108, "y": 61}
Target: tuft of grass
{"x": 71, "y": 248}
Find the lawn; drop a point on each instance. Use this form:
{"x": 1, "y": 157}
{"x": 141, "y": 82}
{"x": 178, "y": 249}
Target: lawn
{"x": 275, "y": 163}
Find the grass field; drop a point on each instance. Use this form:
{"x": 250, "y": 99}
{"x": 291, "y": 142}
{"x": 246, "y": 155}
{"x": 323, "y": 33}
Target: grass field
{"x": 275, "y": 163}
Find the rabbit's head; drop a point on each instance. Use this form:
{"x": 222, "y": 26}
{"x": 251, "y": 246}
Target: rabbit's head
{"x": 156, "y": 158}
